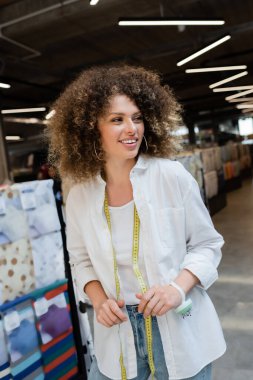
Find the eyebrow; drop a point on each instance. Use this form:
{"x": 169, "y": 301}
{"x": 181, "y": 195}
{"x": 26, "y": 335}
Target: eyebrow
{"x": 122, "y": 114}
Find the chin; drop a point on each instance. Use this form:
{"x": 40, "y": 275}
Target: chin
{"x": 133, "y": 154}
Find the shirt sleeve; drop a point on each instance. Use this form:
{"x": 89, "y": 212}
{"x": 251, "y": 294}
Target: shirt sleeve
{"x": 81, "y": 266}
{"x": 203, "y": 241}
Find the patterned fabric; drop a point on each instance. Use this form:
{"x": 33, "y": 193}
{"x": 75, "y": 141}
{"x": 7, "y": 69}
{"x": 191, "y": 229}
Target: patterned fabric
{"x": 5, "y": 372}
{"x": 49, "y": 315}
{"x": 3, "y": 351}
{"x": 22, "y": 342}
{"x": 231, "y": 169}
{"x": 59, "y": 355}
{"x": 39, "y": 203}
{"x": 48, "y": 259}
{"x": 194, "y": 165}
{"x": 31, "y": 360}
{"x": 31, "y": 253}
{"x": 211, "y": 184}
{"x": 4, "y": 363}
{"x": 208, "y": 158}
{"x": 16, "y": 270}
{"x": 28, "y": 210}
{"x": 13, "y": 222}
{"x": 225, "y": 153}
{"x": 217, "y": 158}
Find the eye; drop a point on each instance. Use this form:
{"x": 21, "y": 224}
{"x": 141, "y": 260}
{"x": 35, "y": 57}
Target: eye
{"x": 117, "y": 120}
{"x": 138, "y": 118}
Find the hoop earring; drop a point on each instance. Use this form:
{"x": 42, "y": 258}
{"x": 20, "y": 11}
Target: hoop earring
{"x": 146, "y": 143}
{"x": 94, "y": 146}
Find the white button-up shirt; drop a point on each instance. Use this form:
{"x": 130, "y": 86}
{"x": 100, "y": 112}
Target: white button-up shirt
{"x": 177, "y": 233}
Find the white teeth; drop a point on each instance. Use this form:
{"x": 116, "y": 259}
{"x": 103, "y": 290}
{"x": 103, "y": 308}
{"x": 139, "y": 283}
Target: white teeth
{"x": 128, "y": 141}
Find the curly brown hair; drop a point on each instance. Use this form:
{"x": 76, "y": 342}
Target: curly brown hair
{"x": 73, "y": 133}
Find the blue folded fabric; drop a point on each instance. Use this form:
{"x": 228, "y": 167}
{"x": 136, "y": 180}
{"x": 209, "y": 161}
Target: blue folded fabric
{"x": 5, "y": 371}
{"x": 24, "y": 338}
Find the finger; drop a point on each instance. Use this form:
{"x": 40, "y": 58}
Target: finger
{"x": 107, "y": 321}
{"x": 121, "y": 303}
{"x": 163, "y": 310}
{"x": 104, "y": 320}
{"x": 142, "y": 305}
{"x": 113, "y": 317}
{"x": 157, "y": 308}
{"x": 146, "y": 297}
{"x": 115, "y": 310}
{"x": 110, "y": 316}
{"x": 150, "y": 306}
{"x": 138, "y": 295}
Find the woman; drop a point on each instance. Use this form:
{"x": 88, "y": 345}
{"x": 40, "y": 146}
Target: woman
{"x": 139, "y": 236}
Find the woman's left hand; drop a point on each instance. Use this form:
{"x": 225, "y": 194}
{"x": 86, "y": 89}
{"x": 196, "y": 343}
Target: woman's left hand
{"x": 158, "y": 300}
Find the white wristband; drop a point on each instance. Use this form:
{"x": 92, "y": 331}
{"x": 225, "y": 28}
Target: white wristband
{"x": 182, "y": 293}
{"x": 185, "y": 307}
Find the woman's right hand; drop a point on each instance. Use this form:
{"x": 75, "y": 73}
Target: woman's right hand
{"x": 109, "y": 312}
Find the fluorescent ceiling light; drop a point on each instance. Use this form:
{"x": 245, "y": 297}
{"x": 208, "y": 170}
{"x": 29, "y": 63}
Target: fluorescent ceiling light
{"x": 23, "y": 120}
{"x": 229, "y": 79}
{"x": 93, "y": 2}
{"x": 239, "y": 94}
{"x": 23, "y": 110}
{"x": 241, "y": 100}
{"x": 202, "y": 51}
{"x": 166, "y": 22}
{"x": 13, "y": 138}
{"x": 242, "y": 106}
{"x": 4, "y": 85}
{"x": 221, "y": 68}
{"x": 238, "y": 88}
{"x": 50, "y": 114}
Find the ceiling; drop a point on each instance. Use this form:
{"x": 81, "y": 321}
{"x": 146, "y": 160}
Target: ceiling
{"x": 44, "y": 44}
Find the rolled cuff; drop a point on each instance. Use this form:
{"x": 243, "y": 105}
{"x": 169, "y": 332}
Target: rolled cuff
{"x": 82, "y": 276}
{"x": 205, "y": 271}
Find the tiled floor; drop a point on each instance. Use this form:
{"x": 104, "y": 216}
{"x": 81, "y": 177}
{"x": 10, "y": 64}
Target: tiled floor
{"x": 233, "y": 292}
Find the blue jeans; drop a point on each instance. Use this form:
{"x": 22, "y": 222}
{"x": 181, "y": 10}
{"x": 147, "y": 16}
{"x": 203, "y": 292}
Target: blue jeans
{"x": 143, "y": 371}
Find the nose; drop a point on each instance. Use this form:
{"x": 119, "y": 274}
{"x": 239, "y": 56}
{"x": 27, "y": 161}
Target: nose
{"x": 130, "y": 127}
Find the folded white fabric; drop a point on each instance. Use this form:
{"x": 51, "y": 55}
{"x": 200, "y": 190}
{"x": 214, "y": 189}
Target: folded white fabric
{"x": 211, "y": 184}
{"x": 3, "y": 350}
{"x": 43, "y": 220}
{"x": 13, "y": 220}
{"x": 217, "y": 158}
{"x": 38, "y": 200}
{"x": 194, "y": 165}
{"x": 48, "y": 259}
{"x": 208, "y": 160}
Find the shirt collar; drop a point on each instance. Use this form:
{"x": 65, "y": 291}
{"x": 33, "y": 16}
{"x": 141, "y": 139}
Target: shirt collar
{"x": 142, "y": 162}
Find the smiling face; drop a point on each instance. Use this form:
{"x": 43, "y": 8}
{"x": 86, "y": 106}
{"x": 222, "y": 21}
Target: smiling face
{"x": 121, "y": 129}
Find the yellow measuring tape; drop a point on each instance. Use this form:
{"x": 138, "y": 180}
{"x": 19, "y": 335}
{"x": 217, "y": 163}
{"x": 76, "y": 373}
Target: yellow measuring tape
{"x": 135, "y": 253}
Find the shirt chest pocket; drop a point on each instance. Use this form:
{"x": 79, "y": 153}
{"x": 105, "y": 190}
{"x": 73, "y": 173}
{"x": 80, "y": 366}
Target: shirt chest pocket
{"x": 171, "y": 226}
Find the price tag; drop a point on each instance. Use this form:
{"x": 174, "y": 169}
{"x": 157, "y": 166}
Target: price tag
{"x": 41, "y": 306}
{"x": 11, "y": 321}
{"x": 28, "y": 199}
{"x": 2, "y": 205}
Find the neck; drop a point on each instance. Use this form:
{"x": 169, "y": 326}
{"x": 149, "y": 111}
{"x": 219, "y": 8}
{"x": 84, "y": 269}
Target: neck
{"x": 117, "y": 172}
